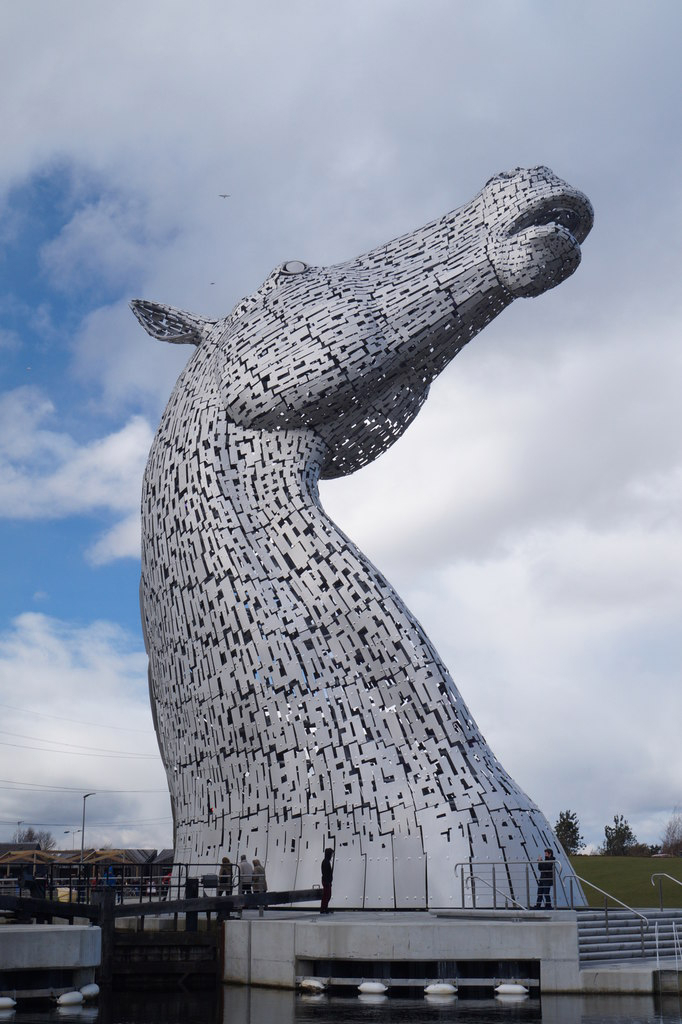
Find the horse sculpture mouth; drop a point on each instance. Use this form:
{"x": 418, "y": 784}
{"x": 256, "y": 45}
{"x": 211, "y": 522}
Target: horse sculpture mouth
{"x": 572, "y": 211}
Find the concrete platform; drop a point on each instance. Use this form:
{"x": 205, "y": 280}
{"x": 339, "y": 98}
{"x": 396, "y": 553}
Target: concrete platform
{"x": 477, "y": 947}
{"x": 47, "y": 959}
{"x": 275, "y": 949}
{"x": 646, "y": 976}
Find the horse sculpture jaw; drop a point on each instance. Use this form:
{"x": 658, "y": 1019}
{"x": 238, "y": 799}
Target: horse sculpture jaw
{"x": 296, "y": 699}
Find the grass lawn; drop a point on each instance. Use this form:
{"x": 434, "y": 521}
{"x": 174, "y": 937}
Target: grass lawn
{"x": 628, "y": 878}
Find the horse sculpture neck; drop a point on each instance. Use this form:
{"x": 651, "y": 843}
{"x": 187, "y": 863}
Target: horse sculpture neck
{"x": 227, "y": 484}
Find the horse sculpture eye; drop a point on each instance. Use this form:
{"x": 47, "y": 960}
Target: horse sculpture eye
{"x": 294, "y": 267}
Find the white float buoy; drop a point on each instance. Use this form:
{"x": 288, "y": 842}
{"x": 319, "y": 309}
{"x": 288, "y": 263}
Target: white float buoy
{"x": 440, "y": 988}
{"x": 312, "y": 985}
{"x": 7, "y": 1003}
{"x": 508, "y": 988}
{"x": 70, "y": 999}
{"x": 372, "y": 988}
{"x": 90, "y": 991}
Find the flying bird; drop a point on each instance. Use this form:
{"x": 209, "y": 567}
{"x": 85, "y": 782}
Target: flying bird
{"x": 224, "y": 195}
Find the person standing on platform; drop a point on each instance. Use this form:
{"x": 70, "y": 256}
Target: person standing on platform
{"x": 545, "y": 880}
{"x": 225, "y": 877}
{"x": 245, "y": 874}
{"x": 327, "y": 877}
{"x": 259, "y": 881}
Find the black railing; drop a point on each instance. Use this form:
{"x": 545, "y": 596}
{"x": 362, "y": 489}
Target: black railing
{"x": 130, "y": 883}
{"x": 103, "y": 910}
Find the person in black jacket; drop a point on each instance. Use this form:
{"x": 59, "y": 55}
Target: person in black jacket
{"x": 327, "y": 876}
{"x": 545, "y": 880}
{"x": 225, "y": 878}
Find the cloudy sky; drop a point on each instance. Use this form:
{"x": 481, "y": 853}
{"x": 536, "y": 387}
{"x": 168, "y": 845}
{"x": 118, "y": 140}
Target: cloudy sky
{"x": 530, "y": 517}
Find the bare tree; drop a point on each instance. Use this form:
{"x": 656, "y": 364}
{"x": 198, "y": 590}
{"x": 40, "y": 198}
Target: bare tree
{"x": 47, "y": 840}
{"x": 29, "y": 835}
{"x": 671, "y": 840}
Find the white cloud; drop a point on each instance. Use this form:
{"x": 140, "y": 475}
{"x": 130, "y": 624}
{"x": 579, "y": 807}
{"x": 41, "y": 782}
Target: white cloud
{"x": 45, "y": 474}
{"x": 122, "y": 541}
{"x": 127, "y": 367}
{"x": 100, "y": 245}
{"x": 9, "y": 340}
{"x": 79, "y": 692}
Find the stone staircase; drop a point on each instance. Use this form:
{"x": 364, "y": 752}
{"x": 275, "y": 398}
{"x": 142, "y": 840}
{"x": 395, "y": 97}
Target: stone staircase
{"x": 626, "y": 937}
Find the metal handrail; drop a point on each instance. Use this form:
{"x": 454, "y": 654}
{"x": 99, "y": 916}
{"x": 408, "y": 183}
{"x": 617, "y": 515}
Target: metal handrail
{"x": 506, "y": 863}
{"x": 677, "y": 945}
{"x": 504, "y": 895}
{"x": 609, "y": 896}
{"x": 564, "y": 880}
{"x": 530, "y": 871}
{"x": 661, "y": 875}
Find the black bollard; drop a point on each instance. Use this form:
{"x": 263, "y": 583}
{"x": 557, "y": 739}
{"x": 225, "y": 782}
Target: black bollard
{"x": 105, "y": 898}
{"x": 191, "y": 893}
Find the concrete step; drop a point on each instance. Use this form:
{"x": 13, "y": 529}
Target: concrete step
{"x": 623, "y": 939}
{"x": 588, "y": 918}
{"x": 618, "y": 936}
{"x": 635, "y": 948}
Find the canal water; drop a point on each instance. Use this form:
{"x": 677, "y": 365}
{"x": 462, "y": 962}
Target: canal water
{"x": 263, "y": 1006}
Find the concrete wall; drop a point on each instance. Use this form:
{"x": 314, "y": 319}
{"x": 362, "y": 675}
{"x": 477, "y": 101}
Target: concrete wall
{"x": 25, "y": 947}
{"x": 263, "y": 951}
{"x": 35, "y": 948}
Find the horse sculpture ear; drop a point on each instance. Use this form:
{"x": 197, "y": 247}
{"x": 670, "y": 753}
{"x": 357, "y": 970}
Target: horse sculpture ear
{"x": 168, "y": 324}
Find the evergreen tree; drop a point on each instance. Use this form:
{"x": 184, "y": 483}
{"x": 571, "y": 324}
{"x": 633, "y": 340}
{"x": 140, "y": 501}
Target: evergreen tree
{"x": 567, "y": 831}
{"x": 619, "y": 838}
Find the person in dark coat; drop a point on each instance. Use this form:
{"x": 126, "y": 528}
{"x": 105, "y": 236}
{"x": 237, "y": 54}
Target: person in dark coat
{"x": 225, "y": 878}
{"x": 545, "y": 880}
{"x": 327, "y": 876}
{"x": 259, "y": 881}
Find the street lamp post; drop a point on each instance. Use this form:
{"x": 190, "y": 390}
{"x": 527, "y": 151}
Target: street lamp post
{"x": 85, "y": 797}
{"x": 73, "y": 832}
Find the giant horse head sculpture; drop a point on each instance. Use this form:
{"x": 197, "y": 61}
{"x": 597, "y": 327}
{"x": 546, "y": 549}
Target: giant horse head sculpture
{"x": 297, "y": 701}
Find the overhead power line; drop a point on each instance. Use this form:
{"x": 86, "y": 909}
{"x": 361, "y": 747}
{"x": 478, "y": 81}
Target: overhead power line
{"x": 27, "y": 787}
{"x": 76, "y": 746}
{"x": 91, "y": 824}
{"x": 77, "y": 721}
{"x": 83, "y": 754}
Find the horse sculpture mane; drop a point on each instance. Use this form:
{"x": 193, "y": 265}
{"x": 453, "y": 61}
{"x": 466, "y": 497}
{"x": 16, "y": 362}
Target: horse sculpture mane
{"x": 298, "y": 703}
